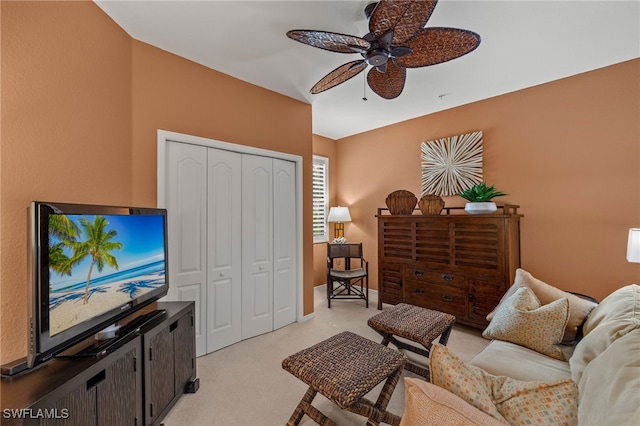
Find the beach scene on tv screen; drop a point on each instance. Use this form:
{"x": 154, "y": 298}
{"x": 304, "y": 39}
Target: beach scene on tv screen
{"x": 100, "y": 262}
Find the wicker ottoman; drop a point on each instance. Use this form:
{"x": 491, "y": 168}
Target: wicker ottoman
{"x": 344, "y": 368}
{"x": 416, "y": 324}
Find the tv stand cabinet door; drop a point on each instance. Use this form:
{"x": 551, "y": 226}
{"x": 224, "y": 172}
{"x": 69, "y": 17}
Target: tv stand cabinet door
{"x": 184, "y": 352}
{"x": 107, "y": 393}
{"x": 119, "y": 394}
{"x": 169, "y": 359}
{"x": 78, "y": 407}
{"x": 159, "y": 367}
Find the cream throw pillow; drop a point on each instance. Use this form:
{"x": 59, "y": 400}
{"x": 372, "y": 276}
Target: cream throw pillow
{"x": 428, "y": 404}
{"x": 508, "y": 400}
{"x": 521, "y": 320}
{"x": 579, "y": 308}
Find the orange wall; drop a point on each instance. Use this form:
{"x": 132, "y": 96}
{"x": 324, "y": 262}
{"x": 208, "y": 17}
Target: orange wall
{"x": 66, "y": 129}
{"x": 325, "y": 147}
{"x": 81, "y": 102}
{"x": 567, "y": 152}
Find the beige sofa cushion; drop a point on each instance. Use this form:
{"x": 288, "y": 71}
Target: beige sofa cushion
{"x": 508, "y": 359}
{"x": 521, "y": 319}
{"x": 508, "y": 400}
{"x": 428, "y": 404}
{"x": 622, "y": 304}
{"x": 578, "y": 308}
{"x": 617, "y": 315}
{"x": 610, "y": 386}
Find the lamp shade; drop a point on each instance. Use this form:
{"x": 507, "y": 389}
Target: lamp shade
{"x": 633, "y": 246}
{"x": 339, "y": 214}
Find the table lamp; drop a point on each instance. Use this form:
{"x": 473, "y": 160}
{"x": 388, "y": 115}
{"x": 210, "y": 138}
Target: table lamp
{"x": 339, "y": 215}
{"x": 633, "y": 246}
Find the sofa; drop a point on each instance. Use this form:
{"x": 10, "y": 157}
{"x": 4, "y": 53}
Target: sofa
{"x": 554, "y": 359}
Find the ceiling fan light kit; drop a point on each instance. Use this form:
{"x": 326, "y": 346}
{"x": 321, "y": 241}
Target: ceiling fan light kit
{"x": 397, "y": 40}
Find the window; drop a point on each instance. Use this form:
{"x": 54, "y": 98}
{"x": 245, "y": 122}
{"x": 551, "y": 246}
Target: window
{"x": 320, "y": 199}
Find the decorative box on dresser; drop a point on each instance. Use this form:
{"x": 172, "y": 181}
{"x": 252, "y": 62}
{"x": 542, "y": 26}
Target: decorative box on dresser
{"x": 454, "y": 262}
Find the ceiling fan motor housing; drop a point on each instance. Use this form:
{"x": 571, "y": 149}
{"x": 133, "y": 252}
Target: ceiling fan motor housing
{"x": 376, "y": 56}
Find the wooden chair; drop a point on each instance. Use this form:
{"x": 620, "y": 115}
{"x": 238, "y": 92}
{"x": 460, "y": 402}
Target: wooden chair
{"x": 347, "y": 283}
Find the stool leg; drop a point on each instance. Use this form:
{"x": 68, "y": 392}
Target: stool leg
{"x": 444, "y": 338}
{"x": 386, "y": 338}
{"x": 295, "y": 418}
{"x": 383, "y": 400}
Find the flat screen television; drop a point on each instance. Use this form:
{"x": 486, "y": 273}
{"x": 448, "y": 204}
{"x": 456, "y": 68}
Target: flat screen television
{"x": 90, "y": 266}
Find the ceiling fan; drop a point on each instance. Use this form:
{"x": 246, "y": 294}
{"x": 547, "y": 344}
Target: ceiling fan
{"x": 397, "y": 40}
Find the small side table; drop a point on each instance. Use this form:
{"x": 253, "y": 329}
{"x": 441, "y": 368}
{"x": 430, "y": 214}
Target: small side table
{"x": 416, "y": 324}
{"x": 344, "y": 368}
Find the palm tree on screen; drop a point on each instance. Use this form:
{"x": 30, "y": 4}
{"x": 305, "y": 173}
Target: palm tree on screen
{"x": 98, "y": 245}
{"x": 66, "y": 232}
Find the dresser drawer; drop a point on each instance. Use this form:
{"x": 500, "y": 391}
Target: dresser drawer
{"x": 433, "y": 277}
{"x": 449, "y": 299}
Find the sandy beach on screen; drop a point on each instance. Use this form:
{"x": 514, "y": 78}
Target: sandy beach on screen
{"x": 72, "y": 312}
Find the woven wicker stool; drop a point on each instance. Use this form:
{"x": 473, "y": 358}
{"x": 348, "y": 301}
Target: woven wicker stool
{"x": 344, "y": 368}
{"x": 416, "y": 324}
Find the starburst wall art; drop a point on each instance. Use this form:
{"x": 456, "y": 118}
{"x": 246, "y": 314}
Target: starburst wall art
{"x": 453, "y": 164}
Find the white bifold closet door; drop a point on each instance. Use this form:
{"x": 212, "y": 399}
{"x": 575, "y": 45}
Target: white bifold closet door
{"x": 224, "y": 254}
{"x": 232, "y": 241}
{"x": 186, "y": 202}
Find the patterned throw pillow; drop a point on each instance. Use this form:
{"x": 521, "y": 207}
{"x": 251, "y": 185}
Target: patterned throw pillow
{"x": 521, "y": 320}
{"x": 579, "y": 308}
{"x": 428, "y": 404}
{"x": 508, "y": 400}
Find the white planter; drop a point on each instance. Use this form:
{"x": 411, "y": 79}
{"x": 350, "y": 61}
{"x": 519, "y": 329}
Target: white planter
{"x": 480, "y": 208}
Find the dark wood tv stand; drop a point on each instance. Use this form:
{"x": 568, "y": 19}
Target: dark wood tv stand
{"x": 132, "y": 384}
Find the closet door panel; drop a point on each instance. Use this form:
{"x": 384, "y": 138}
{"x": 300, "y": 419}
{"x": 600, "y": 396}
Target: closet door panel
{"x": 224, "y": 207}
{"x": 257, "y": 245}
{"x": 186, "y": 171}
{"x": 284, "y": 243}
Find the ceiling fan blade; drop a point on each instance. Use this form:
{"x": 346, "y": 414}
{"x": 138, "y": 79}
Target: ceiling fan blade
{"x": 385, "y": 40}
{"x": 339, "y": 75}
{"x": 400, "y": 51}
{"x": 387, "y": 85}
{"x": 436, "y": 45}
{"x": 403, "y": 17}
{"x": 335, "y": 42}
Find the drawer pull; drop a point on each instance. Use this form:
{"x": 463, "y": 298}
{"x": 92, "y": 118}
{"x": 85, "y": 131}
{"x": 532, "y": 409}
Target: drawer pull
{"x": 447, "y": 298}
{"x": 447, "y": 277}
{"x": 418, "y": 291}
{"x": 418, "y": 273}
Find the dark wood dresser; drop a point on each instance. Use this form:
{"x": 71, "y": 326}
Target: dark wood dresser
{"x": 454, "y": 262}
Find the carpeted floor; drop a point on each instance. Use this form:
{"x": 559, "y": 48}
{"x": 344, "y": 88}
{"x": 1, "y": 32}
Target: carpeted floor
{"x": 244, "y": 384}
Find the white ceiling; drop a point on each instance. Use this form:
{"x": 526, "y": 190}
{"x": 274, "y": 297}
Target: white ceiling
{"x": 524, "y": 43}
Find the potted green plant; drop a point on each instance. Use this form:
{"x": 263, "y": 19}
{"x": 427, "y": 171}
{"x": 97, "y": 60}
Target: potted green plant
{"x": 479, "y": 198}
